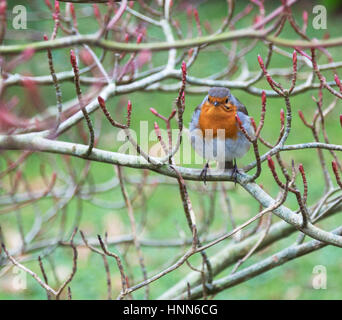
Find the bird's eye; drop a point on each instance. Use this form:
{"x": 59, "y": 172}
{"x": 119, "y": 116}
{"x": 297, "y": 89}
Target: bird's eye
{"x": 227, "y": 100}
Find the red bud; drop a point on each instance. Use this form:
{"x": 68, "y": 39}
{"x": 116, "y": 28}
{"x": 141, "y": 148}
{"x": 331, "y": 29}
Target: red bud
{"x": 28, "y": 54}
{"x": 18, "y": 175}
{"x": 126, "y": 37}
{"x": 129, "y": 112}
{"x": 294, "y": 60}
{"x": 301, "y": 115}
{"x": 73, "y": 14}
{"x": 183, "y": 72}
{"x": 86, "y": 57}
{"x": 46, "y": 37}
{"x": 73, "y": 58}
{"x": 139, "y": 38}
{"x": 129, "y": 106}
{"x": 305, "y": 16}
{"x": 195, "y": 11}
{"x": 3, "y": 6}
{"x": 282, "y": 116}
{"x": 334, "y": 167}
{"x": 341, "y": 120}
{"x": 29, "y": 84}
{"x": 262, "y": 66}
{"x": 173, "y": 113}
{"x": 189, "y": 11}
{"x": 72, "y": 10}
{"x": 207, "y": 25}
{"x": 157, "y": 130}
{"x": 269, "y": 79}
{"x": 338, "y": 82}
{"x": 177, "y": 23}
{"x": 301, "y": 169}
{"x": 190, "y": 52}
{"x": 97, "y": 13}
{"x": 261, "y": 62}
{"x": 54, "y": 176}
{"x": 184, "y": 68}
{"x": 263, "y": 100}
{"x": 57, "y": 9}
{"x": 257, "y": 19}
{"x": 154, "y": 111}
{"x": 101, "y": 102}
{"x": 253, "y": 123}
{"x": 302, "y": 172}
{"x": 303, "y": 53}
{"x": 48, "y": 4}
{"x": 270, "y": 162}
{"x": 238, "y": 120}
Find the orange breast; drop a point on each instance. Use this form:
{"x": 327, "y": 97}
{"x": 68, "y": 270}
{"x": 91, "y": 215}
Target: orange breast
{"x": 215, "y": 118}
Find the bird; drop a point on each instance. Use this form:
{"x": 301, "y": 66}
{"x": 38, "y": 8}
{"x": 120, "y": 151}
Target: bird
{"x": 215, "y": 133}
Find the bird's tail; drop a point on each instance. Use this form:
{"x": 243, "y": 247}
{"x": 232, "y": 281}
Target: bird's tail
{"x": 228, "y": 165}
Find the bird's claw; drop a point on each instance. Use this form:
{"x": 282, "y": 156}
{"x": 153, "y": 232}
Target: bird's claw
{"x": 235, "y": 172}
{"x": 203, "y": 174}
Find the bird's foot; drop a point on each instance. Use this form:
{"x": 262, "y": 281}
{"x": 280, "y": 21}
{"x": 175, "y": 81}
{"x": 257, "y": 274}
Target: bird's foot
{"x": 235, "y": 172}
{"x": 203, "y": 174}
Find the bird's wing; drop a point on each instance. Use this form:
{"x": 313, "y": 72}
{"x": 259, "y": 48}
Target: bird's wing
{"x": 246, "y": 122}
{"x": 195, "y": 118}
{"x": 240, "y": 107}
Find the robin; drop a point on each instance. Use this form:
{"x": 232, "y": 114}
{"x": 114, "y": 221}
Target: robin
{"x": 215, "y": 133}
